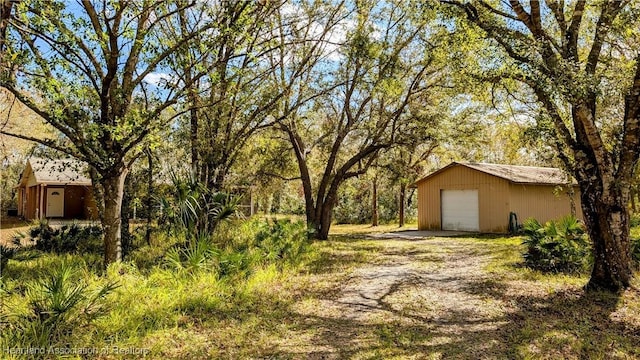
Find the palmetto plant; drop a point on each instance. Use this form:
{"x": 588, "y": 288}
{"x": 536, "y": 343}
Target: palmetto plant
{"x": 195, "y": 255}
{"x": 56, "y": 304}
{"x": 194, "y": 208}
{"x": 559, "y": 245}
{"x": 6, "y": 253}
{"x": 62, "y": 295}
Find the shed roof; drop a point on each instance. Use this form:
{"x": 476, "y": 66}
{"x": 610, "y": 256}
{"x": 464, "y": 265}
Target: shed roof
{"x": 56, "y": 172}
{"x": 514, "y": 173}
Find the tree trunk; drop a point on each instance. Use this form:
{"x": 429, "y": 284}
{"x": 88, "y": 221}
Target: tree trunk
{"x": 608, "y": 227}
{"x": 125, "y": 214}
{"x": 8, "y": 72}
{"x": 324, "y": 222}
{"x": 269, "y": 205}
{"x": 195, "y": 163}
{"x": 319, "y": 220}
{"x": 314, "y": 225}
{"x": 149, "y": 195}
{"x": 111, "y": 222}
{"x": 572, "y": 202}
{"x": 374, "y": 202}
{"x": 403, "y": 193}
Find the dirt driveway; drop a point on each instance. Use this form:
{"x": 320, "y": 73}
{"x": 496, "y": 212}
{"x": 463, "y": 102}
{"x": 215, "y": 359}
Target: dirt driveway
{"x": 441, "y": 298}
{"x": 424, "y": 293}
{"x": 9, "y": 227}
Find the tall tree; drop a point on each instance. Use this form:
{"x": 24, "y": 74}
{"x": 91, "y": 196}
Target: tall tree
{"x": 86, "y": 70}
{"x": 374, "y": 200}
{"x": 430, "y": 126}
{"x": 238, "y": 96}
{"x": 581, "y": 62}
{"x": 404, "y": 165}
{"x": 7, "y": 71}
{"x": 229, "y": 104}
{"x": 385, "y": 60}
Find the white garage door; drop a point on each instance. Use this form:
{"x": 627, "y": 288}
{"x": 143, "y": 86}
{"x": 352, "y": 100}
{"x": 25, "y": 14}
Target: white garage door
{"x": 460, "y": 210}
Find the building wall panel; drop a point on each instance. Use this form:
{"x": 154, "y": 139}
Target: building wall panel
{"x": 493, "y": 198}
{"x": 543, "y": 202}
{"x": 79, "y": 202}
{"x": 32, "y": 202}
{"x": 31, "y": 180}
{"x": 74, "y": 202}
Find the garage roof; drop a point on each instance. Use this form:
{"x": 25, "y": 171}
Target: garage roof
{"x": 513, "y": 173}
{"x": 56, "y": 172}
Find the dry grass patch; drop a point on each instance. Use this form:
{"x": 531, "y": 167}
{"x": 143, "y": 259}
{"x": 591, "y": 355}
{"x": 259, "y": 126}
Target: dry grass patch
{"x": 464, "y": 298}
{"x": 369, "y": 298}
{"x": 10, "y": 227}
{"x": 360, "y": 229}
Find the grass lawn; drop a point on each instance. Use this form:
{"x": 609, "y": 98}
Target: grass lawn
{"x": 353, "y": 229}
{"x": 361, "y": 298}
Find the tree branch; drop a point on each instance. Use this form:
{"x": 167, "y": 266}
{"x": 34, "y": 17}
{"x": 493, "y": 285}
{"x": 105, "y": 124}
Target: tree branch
{"x": 631, "y": 135}
{"x": 573, "y": 30}
{"x": 278, "y": 176}
{"x": 48, "y": 143}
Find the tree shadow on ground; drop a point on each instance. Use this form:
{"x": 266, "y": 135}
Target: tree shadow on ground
{"x": 533, "y": 322}
{"x": 335, "y": 259}
{"x": 530, "y": 320}
{"x": 560, "y": 325}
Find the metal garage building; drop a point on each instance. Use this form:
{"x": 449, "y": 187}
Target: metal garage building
{"x": 482, "y": 197}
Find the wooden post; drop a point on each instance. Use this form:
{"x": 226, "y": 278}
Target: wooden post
{"x": 403, "y": 188}
{"x": 374, "y": 202}
{"x": 20, "y": 196}
{"x": 251, "y": 201}
{"x": 24, "y": 204}
{"x": 41, "y": 212}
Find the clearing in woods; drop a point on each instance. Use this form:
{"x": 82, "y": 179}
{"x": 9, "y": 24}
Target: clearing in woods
{"x": 363, "y": 295}
{"x": 401, "y": 296}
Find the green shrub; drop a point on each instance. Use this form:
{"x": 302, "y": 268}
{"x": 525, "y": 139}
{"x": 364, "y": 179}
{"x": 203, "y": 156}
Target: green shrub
{"x": 237, "y": 249}
{"x": 72, "y": 238}
{"x": 283, "y": 241}
{"x": 258, "y": 243}
{"x": 55, "y": 305}
{"x": 557, "y": 246}
{"x": 196, "y": 255}
{"x": 239, "y": 263}
{"x": 6, "y": 253}
{"x": 192, "y": 207}
{"x": 148, "y": 257}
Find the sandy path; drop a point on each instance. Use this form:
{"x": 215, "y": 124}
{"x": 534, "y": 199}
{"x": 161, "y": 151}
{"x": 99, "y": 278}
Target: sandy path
{"x": 402, "y": 286}
{"x": 8, "y": 233}
{"x": 430, "y": 291}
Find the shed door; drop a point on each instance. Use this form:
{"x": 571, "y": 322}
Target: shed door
{"x": 460, "y": 210}
{"x": 55, "y": 202}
